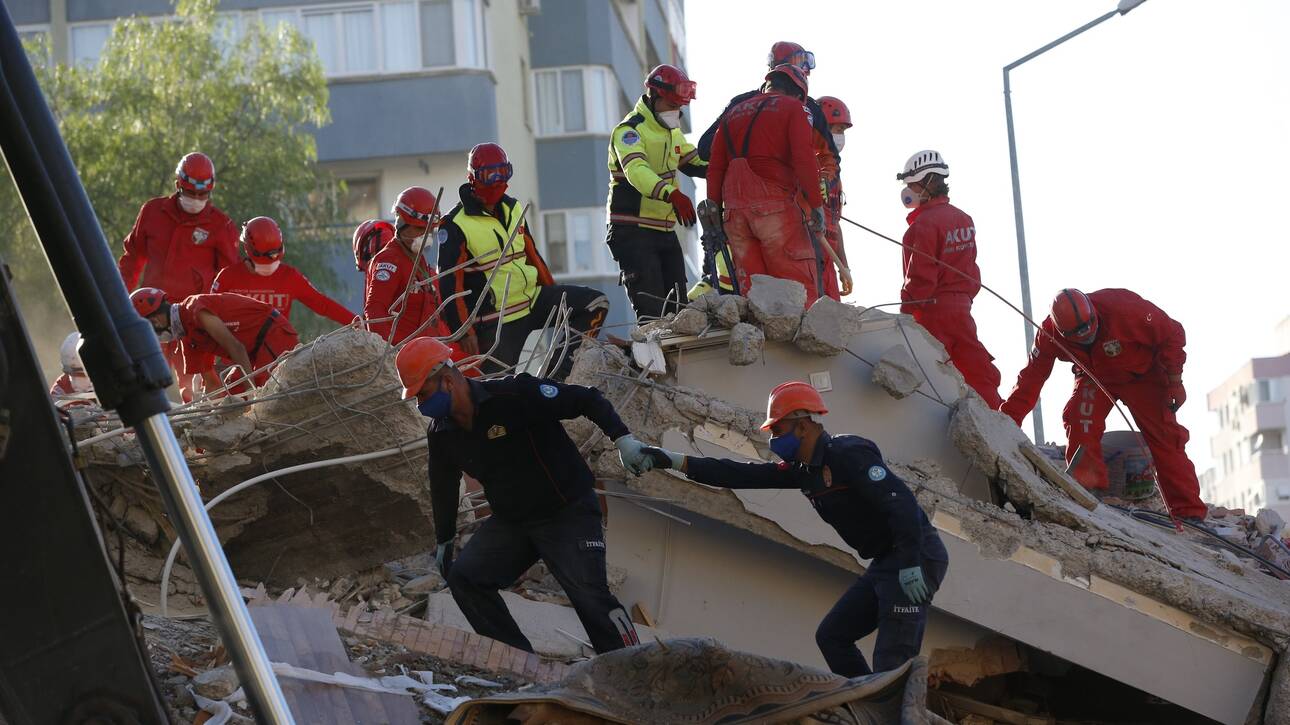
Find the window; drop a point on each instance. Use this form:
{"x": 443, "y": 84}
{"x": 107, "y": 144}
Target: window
{"x": 362, "y": 199}
{"x": 390, "y": 37}
{"x": 676, "y": 26}
{"x": 574, "y": 242}
{"x": 1265, "y": 391}
{"x": 1283, "y": 492}
{"x": 575, "y": 100}
{"x": 88, "y": 41}
{"x": 524, "y": 92}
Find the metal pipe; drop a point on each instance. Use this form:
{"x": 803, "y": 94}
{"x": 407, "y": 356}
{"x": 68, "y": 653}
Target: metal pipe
{"x": 211, "y": 569}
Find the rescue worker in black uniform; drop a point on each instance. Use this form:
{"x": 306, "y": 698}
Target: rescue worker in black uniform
{"x": 506, "y": 433}
{"x": 852, "y": 489}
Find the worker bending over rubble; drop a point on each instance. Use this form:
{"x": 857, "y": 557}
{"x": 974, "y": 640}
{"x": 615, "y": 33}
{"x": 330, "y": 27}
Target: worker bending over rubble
{"x": 646, "y": 150}
{"x": 506, "y": 433}
{"x": 941, "y": 274}
{"x": 519, "y": 291}
{"x": 265, "y": 277}
{"x": 1136, "y": 351}
{"x": 853, "y": 490}
{"x": 240, "y": 330}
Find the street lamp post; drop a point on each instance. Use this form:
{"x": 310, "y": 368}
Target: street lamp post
{"x": 1124, "y": 7}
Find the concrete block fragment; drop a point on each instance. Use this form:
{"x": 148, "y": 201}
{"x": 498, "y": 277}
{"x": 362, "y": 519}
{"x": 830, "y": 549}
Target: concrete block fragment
{"x": 216, "y": 684}
{"x": 1269, "y": 522}
{"x": 731, "y": 310}
{"x": 776, "y": 305}
{"x": 746, "y": 343}
{"x": 142, "y": 524}
{"x": 823, "y": 330}
{"x": 689, "y": 322}
{"x": 897, "y": 372}
{"x": 423, "y": 585}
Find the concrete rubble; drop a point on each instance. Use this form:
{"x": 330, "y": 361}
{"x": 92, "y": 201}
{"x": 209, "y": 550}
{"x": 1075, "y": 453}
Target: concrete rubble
{"x": 776, "y": 306}
{"x": 746, "y": 342}
{"x": 897, "y": 372}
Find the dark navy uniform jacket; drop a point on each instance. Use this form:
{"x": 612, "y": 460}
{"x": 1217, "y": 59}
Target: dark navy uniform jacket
{"x": 517, "y": 449}
{"x": 851, "y": 488}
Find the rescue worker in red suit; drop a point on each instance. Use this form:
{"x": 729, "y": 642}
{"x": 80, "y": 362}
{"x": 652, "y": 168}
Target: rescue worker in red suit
{"x": 180, "y": 242}
{"x": 762, "y": 167}
{"x": 240, "y": 330}
{"x": 838, "y": 116}
{"x": 398, "y": 262}
{"x": 1136, "y": 351}
{"x": 369, "y": 239}
{"x": 263, "y": 276}
{"x": 941, "y": 275}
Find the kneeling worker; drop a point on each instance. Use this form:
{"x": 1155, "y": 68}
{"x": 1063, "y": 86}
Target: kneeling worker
{"x": 506, "y": 433}
{"x": 850, "y": 486}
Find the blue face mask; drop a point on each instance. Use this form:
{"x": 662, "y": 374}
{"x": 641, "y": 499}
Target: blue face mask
{"x": 785, "y": 446}
{"x": 438, "y": 405}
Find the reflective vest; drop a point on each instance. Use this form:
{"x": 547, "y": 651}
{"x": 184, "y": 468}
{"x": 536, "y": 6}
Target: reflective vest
{"x": 515, "y": 285}
{"x": 644, "y": 156}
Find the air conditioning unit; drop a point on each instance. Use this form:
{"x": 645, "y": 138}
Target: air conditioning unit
{"x": 530, "y": 7}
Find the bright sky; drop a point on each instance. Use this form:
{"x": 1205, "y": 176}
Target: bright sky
{"x": 1150, "y": 150}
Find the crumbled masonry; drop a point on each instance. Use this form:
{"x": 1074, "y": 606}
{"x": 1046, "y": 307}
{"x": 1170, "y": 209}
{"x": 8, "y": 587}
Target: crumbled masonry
{"x": 776, "y": 306}
{"x": 897, "y": 372}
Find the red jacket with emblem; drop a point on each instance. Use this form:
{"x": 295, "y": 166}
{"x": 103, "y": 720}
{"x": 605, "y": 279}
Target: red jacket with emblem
{"x": 944, "y": 232}
{"x": 780, "y": 149}
{"x": 280, "y": 289}
{"x": 387, "y": 278}
{"x": 243, "y": 316}
{"x": 1135, "y": 340}
{"x": 177, "y": 252}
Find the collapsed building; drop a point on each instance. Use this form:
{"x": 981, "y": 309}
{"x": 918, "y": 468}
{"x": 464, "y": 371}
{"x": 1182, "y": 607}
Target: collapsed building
{"x": 322, "y": 474}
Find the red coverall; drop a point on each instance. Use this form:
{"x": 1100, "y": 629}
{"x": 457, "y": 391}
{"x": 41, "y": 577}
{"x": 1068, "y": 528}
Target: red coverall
{"x": 940, "y": 299}
{"x": 1137, "y": 347}
{"x": 762, "y": 159}
{"x": 387, "y": 278}
{"x": 280, "y": 289}
{"x": 264, "y": 331}
{"x": 178, "y": 253}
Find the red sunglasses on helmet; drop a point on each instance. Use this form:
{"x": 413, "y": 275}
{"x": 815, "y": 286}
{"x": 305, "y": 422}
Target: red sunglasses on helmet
{"x": 494, "y": 174}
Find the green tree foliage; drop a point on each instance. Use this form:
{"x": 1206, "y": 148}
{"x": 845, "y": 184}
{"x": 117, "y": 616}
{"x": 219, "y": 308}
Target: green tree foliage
{"x": 165, "y": 87}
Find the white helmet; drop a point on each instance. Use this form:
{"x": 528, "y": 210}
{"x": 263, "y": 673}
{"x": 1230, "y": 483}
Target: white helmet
{"x": 70, "y": 358}
{"x": 921, "y": 164}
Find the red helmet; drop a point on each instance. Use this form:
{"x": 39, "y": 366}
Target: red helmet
{"x": 369, "y": 238}
{"x": 671, "y": 84}
{"x": 835, "y": 111}
{"x": 262, "y": 239}
{"x": 195, "y": 172}
{"x": 793, "y": 73}
{"x": 1074, "y": 315}
{"x": 487, "y": 165}
{"x": 792, "y": 54}
{"x": 790, "y": 397}
{"x": 415, "y": 206}
{"x": 147, "y": 301}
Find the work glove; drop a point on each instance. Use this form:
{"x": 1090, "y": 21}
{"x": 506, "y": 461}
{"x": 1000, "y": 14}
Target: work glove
{"x": 1175, "y": 395}
{"x": 629, "y": 452}
{"x": 662, "y": 458}
{"x": 912, "y": 583}
{"x": 443, "y": 558}
{"x": 684, "y": 208}
{"x": 816, "y": 222}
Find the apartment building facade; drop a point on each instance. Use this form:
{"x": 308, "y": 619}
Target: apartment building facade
{"x": 414, "y": 84}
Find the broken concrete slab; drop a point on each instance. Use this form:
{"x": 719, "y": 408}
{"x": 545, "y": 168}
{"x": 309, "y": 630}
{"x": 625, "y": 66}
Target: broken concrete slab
{"x": 776, "y": 306}
{"x": 746, "y": 342}
{"x": 689, "y": 321}
{"x": 825, "y": 329}
{"x": 216, "y": 684}
{"x": 897, "y": 372}
{"x": 731, "y": 310}
{"x": 1269, "y": 522}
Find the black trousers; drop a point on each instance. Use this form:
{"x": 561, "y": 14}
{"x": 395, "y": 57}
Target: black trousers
{"x": 572, "y": 543}
{"x": 652, "y": 266}
{"x": 588, "y": 306}
{"x": 876, "y": 601}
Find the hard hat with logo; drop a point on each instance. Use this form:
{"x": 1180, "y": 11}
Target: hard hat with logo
{"x": 147, "y": 301}
{"x": 921, "y": 165}
{"x": 671, "y": 84}
{"x": 415, "y": 206}
{"x": 792, "y": 53}
{"x": 794, "y": 75}
{"x": 1074, "y": 315}
{"x": 487, "y": 165}
{"x": 195, "y": 172}
{"x": 69, "y": 356}
{"x": 789, "y": 398}
{"x": 835, "y": 111}
{"x": 262, "y": 239}
{"x": 369, "y": 238}
{"x": 418, "y": 360}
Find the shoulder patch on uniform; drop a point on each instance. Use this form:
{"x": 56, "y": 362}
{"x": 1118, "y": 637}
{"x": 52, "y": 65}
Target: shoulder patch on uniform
{"x": 549, "y": 391}
{"x": 631, "y": 137}
{"x": 387, "y": 266}
{"x": 200, "y": 235}
{"x": 382, "y": 275}
{"x": 877, "y": 473}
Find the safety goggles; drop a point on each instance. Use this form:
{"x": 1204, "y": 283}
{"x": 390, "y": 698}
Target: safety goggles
{"x": 804, "y": 59}
{"x": 197, "y": 185}
{"x": 270, "y": 255}
{"x": 494, "y": 174}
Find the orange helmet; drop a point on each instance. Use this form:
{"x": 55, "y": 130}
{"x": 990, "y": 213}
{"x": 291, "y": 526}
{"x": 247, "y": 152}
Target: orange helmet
{"x": 1074, "y": 315}
{"x": 196, "y": 172}
{"x": 262, "y": 239}
{"x": 415, "y": 206}
{"x": 418, "y": 360}
{"x": 835, "y": 111}
{"x": 789, "y": 397}
{"x": 147, "y": 300}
